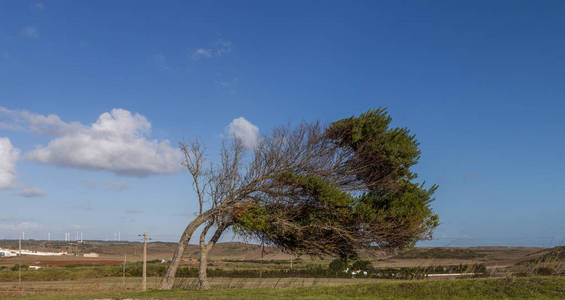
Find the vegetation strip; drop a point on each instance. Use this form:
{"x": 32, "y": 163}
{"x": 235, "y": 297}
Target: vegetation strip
{"x": 500, "y": 288}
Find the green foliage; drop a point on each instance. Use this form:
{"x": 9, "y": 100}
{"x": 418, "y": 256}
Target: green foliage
{"x": 323, "y": 210}
{"x": 254, "y": 218}
{"x": 395, "y": 206}
{"x": 392, "y": 150}
{"x": 444, "y": 253}
{"x": 386, "y": 209}
{"x": 338, "y": 265}
{"x": 17, "y": 267}
{"x": 363, "y": 265}
{"x": 320, "y": 189}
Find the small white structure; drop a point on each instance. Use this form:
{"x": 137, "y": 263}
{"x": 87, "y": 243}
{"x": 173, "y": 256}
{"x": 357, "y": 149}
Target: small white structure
{"x": 92, "y": 254}
{"x": 7, "y": 253}
{"x": 10, "y": 252}
{"x": 34, "y": 267}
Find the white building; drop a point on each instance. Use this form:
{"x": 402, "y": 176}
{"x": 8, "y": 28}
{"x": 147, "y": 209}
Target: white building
{"x": 10, "y": 252}
{"x": 7, "y": 253}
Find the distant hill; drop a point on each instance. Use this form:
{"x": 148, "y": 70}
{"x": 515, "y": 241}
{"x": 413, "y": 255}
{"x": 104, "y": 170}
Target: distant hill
{"x": 418, "y": 256}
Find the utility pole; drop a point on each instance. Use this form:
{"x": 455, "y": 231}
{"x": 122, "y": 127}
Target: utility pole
{"x": 124, "y": 272}
{"x": 144, "y": 282}
{"x": 20, "y": 263}
{"x": 262, "y": 252}
{"x": 291, "y": 256}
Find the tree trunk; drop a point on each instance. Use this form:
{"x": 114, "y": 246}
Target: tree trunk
{"x": 202, "y": 276}
{"x": 169, "y": 279}
{"x": 204, "y": 250}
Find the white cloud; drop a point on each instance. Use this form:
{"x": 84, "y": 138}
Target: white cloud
{"x": 244, "y": 131}
{"x": 116, "y": 142}
{"x": 28, "y": 191}
{"x": 8, "y": 157}
{"x": 221, "y": 48}
{"x": 201, "y": 53}
{"x": 30, "y": 32}
{"x": 50, "y": 125}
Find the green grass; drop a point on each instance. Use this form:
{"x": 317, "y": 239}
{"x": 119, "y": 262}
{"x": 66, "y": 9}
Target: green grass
{"x": 439, "y": 253}
{"x": 491, "y": 288}
{"x": 86, "y": 271}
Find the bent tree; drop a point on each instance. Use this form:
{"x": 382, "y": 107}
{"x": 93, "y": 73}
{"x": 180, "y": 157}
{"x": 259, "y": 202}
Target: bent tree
{"x": 242, "y": 178}
{"x": 314, "y": 190}
{"x": 372, "y": 201}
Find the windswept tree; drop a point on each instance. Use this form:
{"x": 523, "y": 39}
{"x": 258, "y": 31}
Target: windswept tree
{"x": 371, "y": 201}
{"x": 240, "y": 180}
{"x": 313, "y": 190}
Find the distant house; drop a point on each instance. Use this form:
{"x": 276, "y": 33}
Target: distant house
{"x": 7, "y": 253}
{"x": 92, "y": 254}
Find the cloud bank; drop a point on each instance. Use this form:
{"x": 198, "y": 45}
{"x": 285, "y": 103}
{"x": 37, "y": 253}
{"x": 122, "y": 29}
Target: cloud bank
{"x": 244, "y": 131}
{"x": 117, "y": 142}
{"x": 8, "y": 157}
{"x": 50, "y": 125}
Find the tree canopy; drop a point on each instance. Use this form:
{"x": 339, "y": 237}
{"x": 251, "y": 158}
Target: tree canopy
{"x": 371, "y": 201}
{"x": 313, "y": 189}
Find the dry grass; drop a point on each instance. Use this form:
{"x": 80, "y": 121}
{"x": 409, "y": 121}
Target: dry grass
{"x": 500, "y": 288}
{"x": 118, "y": 284}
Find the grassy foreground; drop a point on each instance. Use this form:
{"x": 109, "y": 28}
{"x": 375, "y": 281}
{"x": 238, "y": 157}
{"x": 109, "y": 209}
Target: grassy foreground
{"x": 489, "y": 288}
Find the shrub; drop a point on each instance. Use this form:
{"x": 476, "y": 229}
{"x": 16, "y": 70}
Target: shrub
{"x": 16, "y": 267}
{"x": 338, "y": 265}
{"x": 363, "y": 265}
{"x": 545, "y": 271}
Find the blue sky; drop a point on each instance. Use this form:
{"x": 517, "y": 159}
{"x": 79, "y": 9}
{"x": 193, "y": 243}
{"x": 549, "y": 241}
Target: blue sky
{"x": 479, "y": 82}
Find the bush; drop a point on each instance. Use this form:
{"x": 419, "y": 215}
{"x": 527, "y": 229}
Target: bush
{"x": 16, "y": 267}
{"x": 545, "y": 271}
{"x": 338, "y": 265}
{"x": 363, "y": 265}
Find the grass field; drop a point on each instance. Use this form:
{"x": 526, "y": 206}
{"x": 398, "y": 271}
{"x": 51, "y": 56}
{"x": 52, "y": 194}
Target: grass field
{"x": 489, "y": 288}
{"x": 235, "y": 268}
